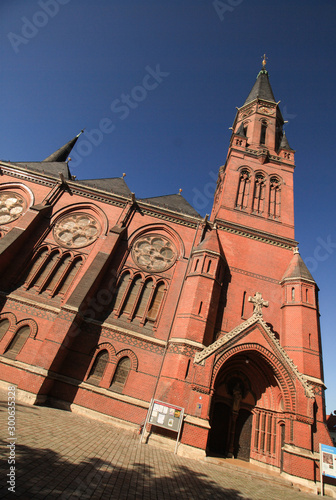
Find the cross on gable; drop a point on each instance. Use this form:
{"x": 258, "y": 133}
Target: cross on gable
{"x": 258, "y": 302}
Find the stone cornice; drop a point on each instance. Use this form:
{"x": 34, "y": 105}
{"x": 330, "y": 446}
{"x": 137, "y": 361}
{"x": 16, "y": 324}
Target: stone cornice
{"x": 255, "y": 234}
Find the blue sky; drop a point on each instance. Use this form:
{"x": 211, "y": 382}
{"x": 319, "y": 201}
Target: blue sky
{"x": 69, "y": 64}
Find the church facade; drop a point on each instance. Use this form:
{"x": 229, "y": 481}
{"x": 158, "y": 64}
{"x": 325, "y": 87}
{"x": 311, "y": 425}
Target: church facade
{"x": 108, "y": 301}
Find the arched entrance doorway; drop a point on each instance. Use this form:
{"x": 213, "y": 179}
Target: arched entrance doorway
{"x": 247, "y": 405}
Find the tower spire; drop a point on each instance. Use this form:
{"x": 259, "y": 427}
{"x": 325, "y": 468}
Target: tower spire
{"x": 63, "y": 152}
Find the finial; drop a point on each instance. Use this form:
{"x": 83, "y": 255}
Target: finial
{"x": 264, "y": 61}
{"x": 258, "y": 302}
{"x": 180, "y": 191}
{"x": 123, "y": 175}
{"x": 81, "y": 132}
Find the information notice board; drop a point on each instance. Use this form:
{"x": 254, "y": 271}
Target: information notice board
{"x": 164, "y": 415}
{"x": 327, "y": 462}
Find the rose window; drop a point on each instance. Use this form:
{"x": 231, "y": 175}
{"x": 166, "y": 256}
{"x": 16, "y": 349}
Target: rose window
{"x": 12, "y": 205}
{"x": 154, "y": 253}
{"x": 77, "y": 230}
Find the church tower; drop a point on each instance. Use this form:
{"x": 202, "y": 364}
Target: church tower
{"x": 264, "y": 366}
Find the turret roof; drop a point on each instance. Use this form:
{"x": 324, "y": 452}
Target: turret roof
{"x": 297, "y": 269}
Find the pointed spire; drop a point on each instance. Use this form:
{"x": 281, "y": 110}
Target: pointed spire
{"x": 297, "y": 269}
{"x": 262, "y": 88}
{"x": 62, "y": 153}
{"x": 241, "y": 130}
{"x": 284, "y": 143}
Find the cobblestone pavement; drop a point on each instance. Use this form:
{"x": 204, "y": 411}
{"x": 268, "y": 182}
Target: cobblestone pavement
{"x": 61, "y": 455}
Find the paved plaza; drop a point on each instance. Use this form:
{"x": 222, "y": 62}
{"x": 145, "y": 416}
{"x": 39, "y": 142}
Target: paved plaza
{"x": 61, "y": 455}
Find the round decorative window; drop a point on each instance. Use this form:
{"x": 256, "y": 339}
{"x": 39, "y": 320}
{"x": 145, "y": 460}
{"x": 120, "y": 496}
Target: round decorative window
{"x": 12, "y": 205}
{"x": 77, "y": 230}
{"x": 154, "y": 253}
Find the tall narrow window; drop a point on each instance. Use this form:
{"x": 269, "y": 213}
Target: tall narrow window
{"x": 132, "y": 295}
{"x": 269, "y": 434}
{"x": 17, "y": 342}
{"x": 263, "y": 133}
{"x": 274, "y": 203}
{"x": 196, "y": 265}
{"x": 293, "y": 294}
{"x": 243, "y": 189}
{"x": 47, "y": 268}
{"x": 120, "y": 375}
{"x": 209, "y": 266}
{"x": 121, "y": 289}
{"x": 144, "y": 298}
{"x": 256, "y": 435}
{"x": 156, "y": 302}
{"x": 98, "y": 368}
{"x": 243, "y": 305}
{"x": 259, "y": 194}
{"x": 262, "y": 432}
{"x": 57, "y": 272}
{"x": 67, "y": 280}
{"x": 4, "y": 325}
{"x": 36, "y": 264}
{"x": 307, "y": 295}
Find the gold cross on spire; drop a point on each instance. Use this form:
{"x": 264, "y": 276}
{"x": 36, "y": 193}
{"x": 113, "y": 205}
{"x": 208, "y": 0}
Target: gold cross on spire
{"x": 264, "y": 61}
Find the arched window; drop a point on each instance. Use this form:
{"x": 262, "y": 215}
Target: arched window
{"x": 144, "y": 298}
{"x": 45, "y": 271}
{"x": 4, "y": 325}
{"x": 132, "y": 295}
{"x": 209, "y": 266}
{"x": 57, "y": 272}
{"x": 293, "y": 294}
{"x": 71, "y": 271}
{"x": 36, "y": 264}
{"x": 121, "y": 289}
{"x": 98, "y": 368}
{"x": 274, "y": 197}
{"x": 120, "y": 375}
{"x": 259, "y": 194}
{"x": 243, "y": 190}
{"x": 263, "y": 133}
{"x": 17, "y": 341}
{"x": 156, "y": 302}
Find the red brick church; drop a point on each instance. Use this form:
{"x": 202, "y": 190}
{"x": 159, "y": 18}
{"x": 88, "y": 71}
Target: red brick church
{"x": 108, "y": 301}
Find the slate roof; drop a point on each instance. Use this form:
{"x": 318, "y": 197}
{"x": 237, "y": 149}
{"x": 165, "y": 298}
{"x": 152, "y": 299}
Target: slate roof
{"x": 175, "y": 202}
{"x": 261, "y": 89}
{"x": 297, "y": 269}
{"x": 241, "y": 131}
{"x": 284, "y": 143}
{"x": 115, "y": 185}
{"x": 52, "y": 168}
